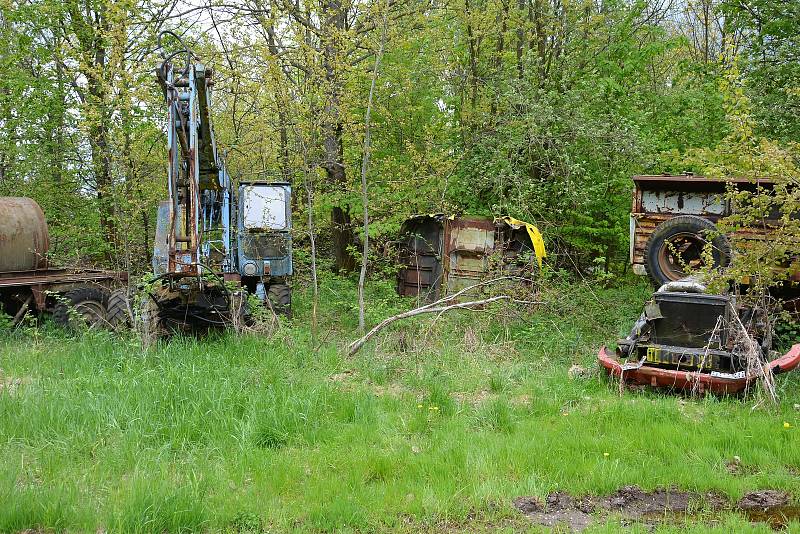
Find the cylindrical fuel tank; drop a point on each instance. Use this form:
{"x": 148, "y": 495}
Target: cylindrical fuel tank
{"x": 24, "y": 239}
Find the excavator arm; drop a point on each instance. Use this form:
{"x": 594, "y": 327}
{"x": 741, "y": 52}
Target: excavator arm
{"x": 197, "y": 231}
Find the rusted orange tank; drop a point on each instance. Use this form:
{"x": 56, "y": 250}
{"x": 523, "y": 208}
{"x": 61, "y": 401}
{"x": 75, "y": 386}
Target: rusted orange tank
{"x": 24, "y": 239}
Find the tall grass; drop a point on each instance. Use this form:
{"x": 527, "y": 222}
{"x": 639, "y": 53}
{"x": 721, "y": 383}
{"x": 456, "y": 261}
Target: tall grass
{"x": 437, "y": 424}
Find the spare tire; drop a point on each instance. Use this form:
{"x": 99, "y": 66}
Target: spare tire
{"x": 676, "y": 248}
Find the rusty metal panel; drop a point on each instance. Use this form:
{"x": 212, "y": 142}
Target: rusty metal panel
{"x": 471, "y": 235}
{"x": 458, "y": 251}
{"x": 421, "y": 257}
{"x": 696, "y": 179}
{"x": 24, "y": 239}
{"x": 683, "y": 202}
{"x": 58, "y": 276}
{"x": 468, "y": 242}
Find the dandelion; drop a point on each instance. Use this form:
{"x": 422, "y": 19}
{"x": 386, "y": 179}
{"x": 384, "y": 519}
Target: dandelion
{"x": 565, "y": 414}
{"x": 419, "y": 406}
{"x": 786, "y": 425}
{"x": 605, "y": 454}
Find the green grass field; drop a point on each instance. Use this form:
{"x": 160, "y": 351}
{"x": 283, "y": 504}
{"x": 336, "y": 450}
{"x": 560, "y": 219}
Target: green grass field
{"x": 437, "y": 424}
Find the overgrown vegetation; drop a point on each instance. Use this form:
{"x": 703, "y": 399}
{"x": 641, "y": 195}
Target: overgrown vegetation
{"x": 439, "y": 424}
{"x": 541, "y": 109}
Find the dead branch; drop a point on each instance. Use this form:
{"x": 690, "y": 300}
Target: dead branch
{"x": 438, "y": 306}
{"x": 457, "y": 294}
{"x": 755, "y": 357}
{"x": 471, "y": 305}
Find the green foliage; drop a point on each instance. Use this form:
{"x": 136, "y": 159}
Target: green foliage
{"x": 787, "y": 334}
{"x": 771, "y": 31}
{"x": 743, "y": 153}
{"x": 257, "y": 434}
{"x": 538, "y": 109}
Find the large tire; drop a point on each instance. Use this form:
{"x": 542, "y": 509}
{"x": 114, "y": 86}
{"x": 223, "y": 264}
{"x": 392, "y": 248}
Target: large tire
{"x": 118, "y": 311}
{"x": 81, "y": 308}
{"x": 675, "y": 248}
{"x": 152, "y": 324}
{"x": 280, "y": 298}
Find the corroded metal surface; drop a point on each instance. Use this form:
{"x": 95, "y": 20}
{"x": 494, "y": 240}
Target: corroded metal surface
{"x": 420, "y": 256}
{"x": 41, "y": 284}
{"x": 469, "y": 243}
{"x": 689, "y": 380}
{"x": 445, "y": 253}
{"x": 24, "y": 239}
{"x": 657, "y": 199}
{"x": 53, "y": 276}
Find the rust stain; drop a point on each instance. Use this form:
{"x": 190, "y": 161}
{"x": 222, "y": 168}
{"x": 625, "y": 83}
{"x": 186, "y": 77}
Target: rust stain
{"x": 439, "y": 253}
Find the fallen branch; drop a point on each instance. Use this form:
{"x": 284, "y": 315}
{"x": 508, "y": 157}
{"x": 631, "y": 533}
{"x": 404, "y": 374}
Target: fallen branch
{"x": 430, "y": 308}
{"x": 437, "y": 307}
{"x": 457, "y": 294}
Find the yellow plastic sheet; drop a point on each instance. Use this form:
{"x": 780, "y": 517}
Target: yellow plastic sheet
{"x": 534, "y": 233}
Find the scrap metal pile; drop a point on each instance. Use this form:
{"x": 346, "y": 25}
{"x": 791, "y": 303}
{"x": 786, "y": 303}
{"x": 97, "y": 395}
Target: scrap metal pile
{"x": 440, "y": 255}
{"x": 689, "y": 339}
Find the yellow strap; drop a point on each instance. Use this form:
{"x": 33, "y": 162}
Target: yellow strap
{"x": 533, "y": 232}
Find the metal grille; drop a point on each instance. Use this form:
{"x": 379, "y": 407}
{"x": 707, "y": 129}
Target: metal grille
{"x": 264, "y": 246}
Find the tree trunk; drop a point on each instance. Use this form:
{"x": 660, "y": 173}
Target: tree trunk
{"x": 101, "y": 164}
{"x": 91, "y": 29}
{"x": 332, "y": 130}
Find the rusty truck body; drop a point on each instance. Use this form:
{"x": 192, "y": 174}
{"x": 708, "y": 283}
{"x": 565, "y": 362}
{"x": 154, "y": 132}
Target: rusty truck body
{"x": 673, "y": 221}
{"x": 687, "y": 339}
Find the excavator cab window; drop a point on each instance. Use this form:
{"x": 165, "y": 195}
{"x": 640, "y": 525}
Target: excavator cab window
{"x": 264, "y": 207}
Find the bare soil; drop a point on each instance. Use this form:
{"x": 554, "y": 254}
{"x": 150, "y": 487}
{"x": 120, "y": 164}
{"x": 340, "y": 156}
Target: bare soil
{"x": 635, "y": 504}
{"x": 558, "y": 509}
{"x": 763, "y": 499}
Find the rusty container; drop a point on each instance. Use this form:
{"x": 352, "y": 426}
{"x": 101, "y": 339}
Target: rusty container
{"x": 24, "y": 239}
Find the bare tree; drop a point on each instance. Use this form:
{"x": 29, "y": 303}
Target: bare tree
{"x": 364, "y": 169}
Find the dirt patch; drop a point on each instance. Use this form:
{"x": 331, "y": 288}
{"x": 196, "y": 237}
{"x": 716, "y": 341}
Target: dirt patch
{"x": 12, "y": 385}
{"x": 635, "y": 503}
{"x": 576, "y": 372}
{"x": 763, "y": 499}
{"x": 521, "y": 400}
{"x": 475, "y": 398}
{"x": 391, "y": 389}
{"x": 343, "y": 376}
{"x": 632, "y": 503}
{"x": 559, "y": 509}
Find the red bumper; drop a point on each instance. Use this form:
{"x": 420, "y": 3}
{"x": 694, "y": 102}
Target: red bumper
{"x": 658, "y": 377}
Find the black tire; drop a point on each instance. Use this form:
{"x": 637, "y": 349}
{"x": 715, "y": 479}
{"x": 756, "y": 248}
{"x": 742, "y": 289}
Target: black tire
{"x": 152, "y": 324}
{"x": 81, "y": 308}
{"x": 676, "y": 247}
{"x": 280, "y": 298}
{"x": 118, "y": 311}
